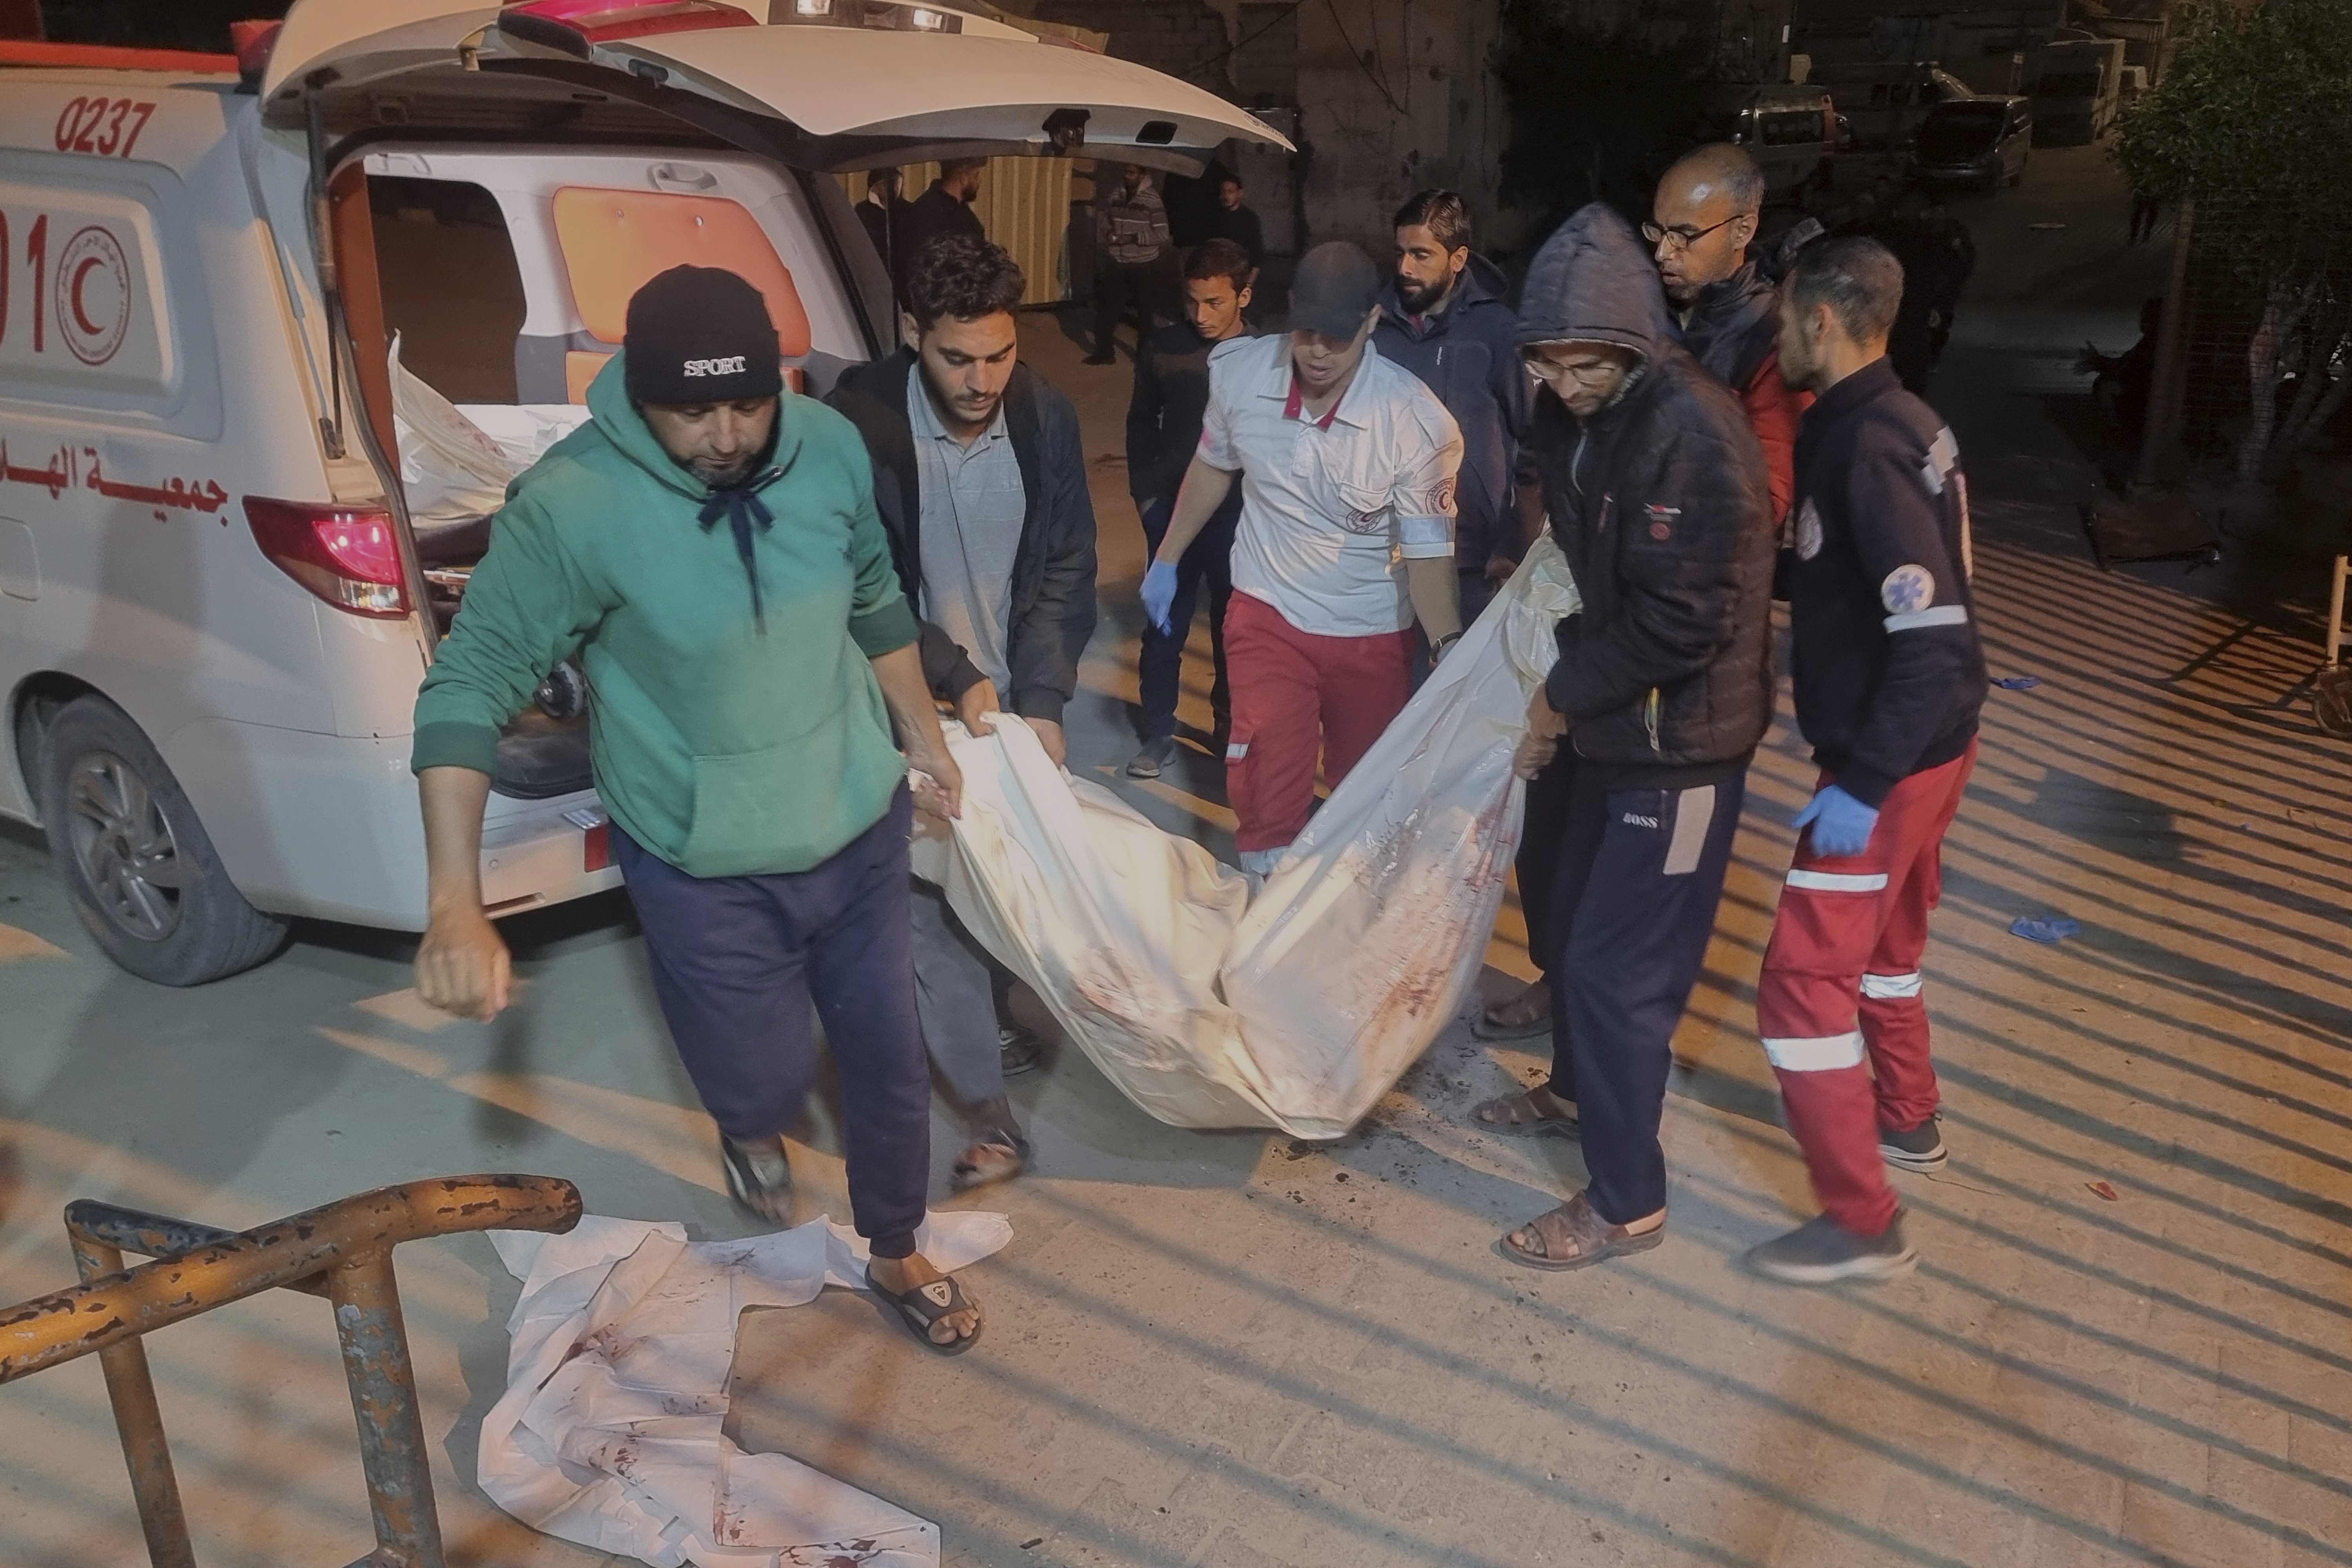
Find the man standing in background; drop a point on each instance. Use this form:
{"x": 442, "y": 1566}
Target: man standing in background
{"x": 1238, "y": 222}
{"x": 1131, "y": 252}
{"x": 1445, "y": 320}
{"x": 945, "y": 208}
{"x": 1164, "y": 428}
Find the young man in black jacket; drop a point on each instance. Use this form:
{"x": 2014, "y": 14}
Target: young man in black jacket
{"x": 1163, "y": 428}
{"x": 1655, "y": 488}
{"x": 980, "y": 481}
{"x": 944, "y": 209}
{"x": 1889, "y": 678}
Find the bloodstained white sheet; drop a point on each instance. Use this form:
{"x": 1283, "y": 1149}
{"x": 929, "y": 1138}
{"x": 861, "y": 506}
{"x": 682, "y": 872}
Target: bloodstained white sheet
{"x": 608, "y": 1434}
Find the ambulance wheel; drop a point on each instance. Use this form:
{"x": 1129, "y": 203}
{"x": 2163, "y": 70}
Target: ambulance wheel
{"x": 142, "y": 871}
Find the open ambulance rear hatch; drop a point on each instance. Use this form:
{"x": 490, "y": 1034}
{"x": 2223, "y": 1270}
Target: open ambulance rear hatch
{"x": 827, "y": 84}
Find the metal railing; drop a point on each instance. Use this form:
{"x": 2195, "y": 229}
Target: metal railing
{"x": 342, "y": 1251}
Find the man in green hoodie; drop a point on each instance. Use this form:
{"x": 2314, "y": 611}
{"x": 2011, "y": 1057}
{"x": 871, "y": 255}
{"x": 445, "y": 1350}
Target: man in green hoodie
{"x": 707, "y": 546}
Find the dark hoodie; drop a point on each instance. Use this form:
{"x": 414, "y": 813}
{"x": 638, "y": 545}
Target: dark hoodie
{"x": 1733, "y": 326}
{"x": 1660, "y": 503}
{"x": 1734, "y": 331}
{"x": 1463, "y": 353}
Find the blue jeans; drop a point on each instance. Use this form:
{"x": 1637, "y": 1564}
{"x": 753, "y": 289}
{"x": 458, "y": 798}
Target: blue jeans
{"x": 736, "y": 962}
{"x": 1207, "y": 562}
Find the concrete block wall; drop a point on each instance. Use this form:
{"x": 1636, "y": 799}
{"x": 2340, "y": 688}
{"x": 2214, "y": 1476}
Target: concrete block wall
{"x": 1186, "y": 38}
{"x": 1400, "y": 95}
{"x": 1394, "y": 94}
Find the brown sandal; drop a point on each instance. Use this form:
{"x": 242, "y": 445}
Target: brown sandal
{"x": 1573, "y": 1236}
{"x": 1519, "y": 1115}
{"x": 1521, "y": 1017}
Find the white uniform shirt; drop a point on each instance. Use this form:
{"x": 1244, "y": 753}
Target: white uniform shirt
{"x": 1331, "y": 509}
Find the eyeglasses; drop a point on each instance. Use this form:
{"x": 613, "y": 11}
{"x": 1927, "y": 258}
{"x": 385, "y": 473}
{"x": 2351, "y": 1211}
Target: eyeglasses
{"x": 1683, "y": 236}
{"x": 1595, "y": 374}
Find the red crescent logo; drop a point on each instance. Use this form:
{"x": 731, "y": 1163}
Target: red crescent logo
{"x": 81, "y": 317}
{"x": 93, "y": 339}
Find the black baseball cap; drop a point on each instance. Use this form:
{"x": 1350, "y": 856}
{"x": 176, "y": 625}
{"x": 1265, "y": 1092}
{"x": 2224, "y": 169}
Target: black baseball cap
{"x": 701, "y": 334}
{"x": 1335, "y": 288}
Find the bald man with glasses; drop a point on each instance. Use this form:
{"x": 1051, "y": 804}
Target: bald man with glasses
{"x": 1702, "y": 221}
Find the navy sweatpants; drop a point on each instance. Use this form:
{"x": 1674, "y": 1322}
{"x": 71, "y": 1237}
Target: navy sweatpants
{"x": 736, "y": 962}
{"x": 1207, "y": 562}
{"x": 1640, "y": 872}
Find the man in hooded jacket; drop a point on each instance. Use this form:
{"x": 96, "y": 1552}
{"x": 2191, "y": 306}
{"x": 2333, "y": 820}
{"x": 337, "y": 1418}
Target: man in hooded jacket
{"x": 1444, "y": 318}
{"x": 1702, "y": 222}
{"x": 1656, "y": 489}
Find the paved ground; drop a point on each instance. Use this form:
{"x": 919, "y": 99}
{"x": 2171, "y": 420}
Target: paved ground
{"x": 1232, "y": 1352}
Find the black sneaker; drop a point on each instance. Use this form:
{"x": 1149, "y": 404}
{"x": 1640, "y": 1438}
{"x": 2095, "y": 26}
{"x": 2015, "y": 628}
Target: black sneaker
{"x": 1920, "y": 1149}
{"x": 1821, "y": 1252}
{"x": 1154, "y": 756}
{"x": 758, "y": 1177}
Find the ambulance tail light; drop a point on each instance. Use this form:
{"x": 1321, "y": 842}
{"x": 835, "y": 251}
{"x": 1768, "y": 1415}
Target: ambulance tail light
{"x": 575, "y": 26}
{"x": 347, "y": 556}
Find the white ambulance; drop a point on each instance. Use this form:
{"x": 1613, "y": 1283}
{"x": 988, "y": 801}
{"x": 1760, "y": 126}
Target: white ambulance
{"x": 271, "y": 341}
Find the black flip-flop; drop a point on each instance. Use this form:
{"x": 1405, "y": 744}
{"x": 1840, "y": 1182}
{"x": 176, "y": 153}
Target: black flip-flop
{"x": 925, "y": 1305}
{"x": 1483, "y": 1027}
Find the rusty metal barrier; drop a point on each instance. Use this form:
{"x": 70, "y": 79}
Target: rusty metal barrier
{"x": 342, "y": 1251}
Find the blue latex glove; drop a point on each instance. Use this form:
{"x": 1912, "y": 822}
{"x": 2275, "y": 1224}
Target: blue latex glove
{"x": 1841, "y": 824}
{"x": 1158, "y": 594}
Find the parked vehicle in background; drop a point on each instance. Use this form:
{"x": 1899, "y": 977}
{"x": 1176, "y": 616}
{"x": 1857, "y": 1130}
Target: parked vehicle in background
{"x": 269, "y": 346}
{"x": 2077, "y": 89}
{"x": 1883, "y": 101}
{"x": 1982, "y": 141}
{"x": 1792, "y": 132}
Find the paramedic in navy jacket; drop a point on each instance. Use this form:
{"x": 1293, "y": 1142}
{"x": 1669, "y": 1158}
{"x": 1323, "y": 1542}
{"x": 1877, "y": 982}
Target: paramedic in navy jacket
{"x": 1889, "y": 679}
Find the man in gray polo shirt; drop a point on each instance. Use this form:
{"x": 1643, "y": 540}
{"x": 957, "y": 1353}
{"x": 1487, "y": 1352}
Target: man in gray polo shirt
{"x": 980, "y": 480}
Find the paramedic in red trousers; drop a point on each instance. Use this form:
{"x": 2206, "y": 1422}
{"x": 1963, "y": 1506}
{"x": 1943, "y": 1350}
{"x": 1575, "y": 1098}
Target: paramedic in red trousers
{"x": 1889, "y": 678}
{"x": 708, "y": 545}
{"x": 1656, "y": 492}
{"x": 1347, "y": 466}
{"x": 1702, "y": 221}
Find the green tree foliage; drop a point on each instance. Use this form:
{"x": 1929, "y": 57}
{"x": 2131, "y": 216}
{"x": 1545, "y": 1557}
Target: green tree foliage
{"x": 2253, "y": 123}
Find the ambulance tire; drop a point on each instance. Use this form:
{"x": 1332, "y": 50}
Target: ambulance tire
{"x": 142, "y": 871}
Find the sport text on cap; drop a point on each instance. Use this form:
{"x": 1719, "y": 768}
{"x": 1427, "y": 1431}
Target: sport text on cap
{"x": 701, "y": 334}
